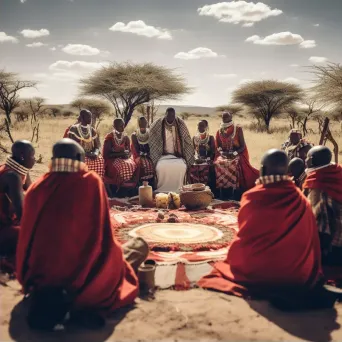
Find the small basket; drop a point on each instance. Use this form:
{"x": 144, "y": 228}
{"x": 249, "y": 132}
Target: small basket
{"x": 196, "y": 200}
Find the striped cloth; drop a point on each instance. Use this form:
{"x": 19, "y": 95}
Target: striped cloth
{"x": 66, "y": 165}
{"x": 227, "y": 172}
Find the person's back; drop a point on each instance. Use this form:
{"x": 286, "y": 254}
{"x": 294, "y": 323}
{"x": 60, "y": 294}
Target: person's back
{"x": 66, "y": 240}
{"x": 323, "y": 187}
{"x": 277, "y": 243}
{"x": 14, "y": 178}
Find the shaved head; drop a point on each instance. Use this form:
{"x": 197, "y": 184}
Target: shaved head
{"x": 318, "y": 156}
{"x": 274, "y": 162}
{"x": 68, "y": 148}
{"x": 23, "y": 153}
{"x": 119, "y": 125}
{"x": 296, "y": 167}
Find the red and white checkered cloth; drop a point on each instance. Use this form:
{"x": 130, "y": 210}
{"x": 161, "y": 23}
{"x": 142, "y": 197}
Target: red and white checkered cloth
{"x": 146, "y": 168}
{"x": 199, "y": 173}
{"x": 96, "y": 165}
{"x": 123, "y": 169}
{"x": 227, "y": 172}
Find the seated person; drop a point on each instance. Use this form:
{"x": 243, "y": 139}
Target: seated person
{"x": 323, "y": 187}
{"x": 119, "y": 164}
{"x": 204, "y": 145}
{"x": 297, "y": 171}
{"x": 232, "y": 167}
{"x": 277, "y": 244}
{"x": 87, "y": 137}
{"x": 172, "y": 151}
{"x": 296, "y": 146}
{"x": 141, "y": 151}
{"x": 66, "y": 243}
{"x": 14, "y": 179}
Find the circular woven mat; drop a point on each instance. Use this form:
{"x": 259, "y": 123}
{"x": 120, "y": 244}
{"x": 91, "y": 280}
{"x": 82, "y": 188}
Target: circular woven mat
{"x": 197, "y": 231}
{"x": 184, "y": 233}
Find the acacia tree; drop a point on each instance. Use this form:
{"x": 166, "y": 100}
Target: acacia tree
{"x": 267, "y": 98}
{"x": 128, "y": 85}
{"x": 10, "y": 87}
{"x": 294, "y": 114}
{"x": 234, "y": 109}
{"x": 97, "y": 107}
{"x": 328, "y": 84}
{"x": 34, "y": 108}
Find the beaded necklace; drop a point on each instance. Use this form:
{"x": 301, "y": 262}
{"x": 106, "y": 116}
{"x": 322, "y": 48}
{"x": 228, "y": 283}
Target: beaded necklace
{"x": 227, "y": 139}
{"x": 143, "y": 138}
{"x": 119, "y": 141}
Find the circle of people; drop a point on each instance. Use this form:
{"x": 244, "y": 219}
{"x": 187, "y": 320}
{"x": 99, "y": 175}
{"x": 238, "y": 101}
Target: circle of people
{"x": 289, "y": 222}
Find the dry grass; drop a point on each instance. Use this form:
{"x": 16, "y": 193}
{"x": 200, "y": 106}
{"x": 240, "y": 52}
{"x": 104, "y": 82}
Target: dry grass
{"x": 53, "y": 129}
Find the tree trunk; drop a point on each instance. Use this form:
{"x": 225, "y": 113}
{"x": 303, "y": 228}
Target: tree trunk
{"x": 127, "y": 114}
{"x": 267, "y": 123}
{"x": 8, "y": 131}
{"x": 8, "y": 117}
{"x": 305, "y": 130}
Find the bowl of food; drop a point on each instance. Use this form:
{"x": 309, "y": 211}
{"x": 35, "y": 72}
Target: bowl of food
{"x": 196, "y": 199}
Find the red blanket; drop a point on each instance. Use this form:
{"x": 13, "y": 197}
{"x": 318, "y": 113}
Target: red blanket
{"x": 328, "y": 179}
{"x": 277, "y": 244}
{"x": 79, "y": 253}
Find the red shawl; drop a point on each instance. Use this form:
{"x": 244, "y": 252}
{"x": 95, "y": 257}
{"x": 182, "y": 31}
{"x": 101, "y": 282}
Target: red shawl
{"x": 328, "y": 180}
{"x": 66, "y": 240}
{"x": 277, "y": 244}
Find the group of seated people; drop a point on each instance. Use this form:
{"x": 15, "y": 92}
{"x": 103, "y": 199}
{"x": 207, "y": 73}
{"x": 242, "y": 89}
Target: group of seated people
{"x": 286, "y": 236}
{"x": 166, "y": 156}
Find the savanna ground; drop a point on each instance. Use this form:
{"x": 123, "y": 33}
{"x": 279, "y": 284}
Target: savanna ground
{"x": 195, "y": 315}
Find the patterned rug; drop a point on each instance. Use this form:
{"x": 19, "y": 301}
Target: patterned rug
{"x": 177, "y": 230}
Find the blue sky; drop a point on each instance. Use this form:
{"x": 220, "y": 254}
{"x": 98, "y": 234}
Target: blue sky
{"x": 215, "y": 45}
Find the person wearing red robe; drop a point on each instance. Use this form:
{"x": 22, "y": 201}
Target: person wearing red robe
{"x": 277, "y": 244}
{"x": 66, "y": 239}
{"x": 232, "y": 166}
{"x": 323, "y": 187}
{"x": 14, "y": 179}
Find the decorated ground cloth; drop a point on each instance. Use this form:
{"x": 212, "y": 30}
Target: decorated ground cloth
{"x": 184, "y": 251}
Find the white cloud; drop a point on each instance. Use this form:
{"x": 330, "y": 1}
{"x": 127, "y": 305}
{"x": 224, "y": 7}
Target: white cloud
{"x": 35, "y": 33}
{"x": 236, "y": 12}
{"x": 282, "y": 38}
{"x": 316, "y": 25}
{"x": 318, "y": 60}
{"x": 22, "y": 1}
{"x": 225, "y": 76}
{"x": 294, "y": 65}
{"x": 80, "y": 50}
{"x": 248, "y": 25}
{"x": 35, "y": 45}
{"x": 65, "y": 76}
{"x": 40, "y": 75}
{"x": 308, "y": 44}
{"x": 292, "y": 80}
{"x": 76, "y": 66}
{"x": 53, "y": 49}
{"x": 4, "y": 38}
{"x": 200, "y": 52}
{"x": 141, "y": 29}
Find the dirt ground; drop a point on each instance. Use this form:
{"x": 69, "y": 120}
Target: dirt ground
{"x": 194, "y": 315}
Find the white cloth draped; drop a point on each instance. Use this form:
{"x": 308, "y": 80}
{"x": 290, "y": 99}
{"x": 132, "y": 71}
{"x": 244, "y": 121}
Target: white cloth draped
{"x": 170, "y": 173}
